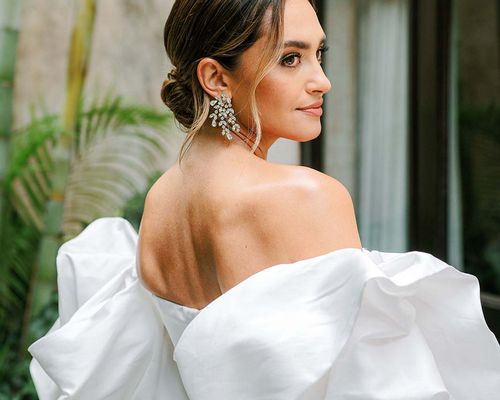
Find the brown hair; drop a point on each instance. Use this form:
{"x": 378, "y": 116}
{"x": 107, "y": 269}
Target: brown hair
{"x": 222, "y": 30}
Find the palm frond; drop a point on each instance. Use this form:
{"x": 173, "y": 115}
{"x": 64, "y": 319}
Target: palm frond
{"x": 28, "y": 179}
{"x": 117, "y": 148}
{"x": 18, "y": 248}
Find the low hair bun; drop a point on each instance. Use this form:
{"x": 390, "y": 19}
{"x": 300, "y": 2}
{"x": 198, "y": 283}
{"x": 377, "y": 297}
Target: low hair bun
{"x": 178, "y": 97}
{"x": 172, "y": 75}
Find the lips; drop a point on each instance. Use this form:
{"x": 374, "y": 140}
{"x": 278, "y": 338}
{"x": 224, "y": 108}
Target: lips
{"x": 313, "y": 109}
{"x": 318, "y": 104}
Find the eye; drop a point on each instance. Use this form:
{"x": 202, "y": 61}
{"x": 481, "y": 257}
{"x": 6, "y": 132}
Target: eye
{"x": 288, "y": 61}
{"x": 322, "y": 50}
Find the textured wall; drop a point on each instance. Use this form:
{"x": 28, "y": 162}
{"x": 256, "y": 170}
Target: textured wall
{"x": 127, "y": 52}
{"x": 127, "y": 55}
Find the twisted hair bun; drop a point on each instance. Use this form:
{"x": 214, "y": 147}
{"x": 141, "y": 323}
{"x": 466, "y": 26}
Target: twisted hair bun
{"x": 177, "y": 95}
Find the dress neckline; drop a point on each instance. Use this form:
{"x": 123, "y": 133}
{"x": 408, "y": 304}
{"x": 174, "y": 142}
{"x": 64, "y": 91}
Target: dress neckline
{"x": 173, "y": 303}
{"x": 198, "y": 310}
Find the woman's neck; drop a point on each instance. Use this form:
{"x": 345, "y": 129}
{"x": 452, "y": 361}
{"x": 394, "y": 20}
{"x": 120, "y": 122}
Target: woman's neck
{"x": 209, "y": 140}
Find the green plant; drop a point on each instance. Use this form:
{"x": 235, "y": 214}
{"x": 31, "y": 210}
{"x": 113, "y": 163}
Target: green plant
{"x": 16, "y": 382}
{"x": 118, "y": 150}
{"x": 57, "y": 174}
{"x": 10, "y": 12}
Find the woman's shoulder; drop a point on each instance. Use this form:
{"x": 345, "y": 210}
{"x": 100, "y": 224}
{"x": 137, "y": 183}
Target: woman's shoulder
{"x": 301, "y": 210}
{"x": 293, "y": 188}
{"x": 271, "y": 187}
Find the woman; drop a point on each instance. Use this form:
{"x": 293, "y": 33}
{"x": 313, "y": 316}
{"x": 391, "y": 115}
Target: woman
{"x": 247, "y": 279}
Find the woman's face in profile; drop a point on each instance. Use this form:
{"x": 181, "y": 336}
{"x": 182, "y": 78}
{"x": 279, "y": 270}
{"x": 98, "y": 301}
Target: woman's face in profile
{"x": 296, "y": 82}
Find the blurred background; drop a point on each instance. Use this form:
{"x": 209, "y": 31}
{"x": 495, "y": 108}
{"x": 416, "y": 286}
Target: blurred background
{"x": 411, "y": 127}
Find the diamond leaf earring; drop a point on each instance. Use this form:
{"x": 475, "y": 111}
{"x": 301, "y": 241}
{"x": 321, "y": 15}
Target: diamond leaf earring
{"x": 224, "y": 111}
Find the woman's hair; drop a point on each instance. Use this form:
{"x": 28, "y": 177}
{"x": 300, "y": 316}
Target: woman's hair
{"x": 222, "y": 30}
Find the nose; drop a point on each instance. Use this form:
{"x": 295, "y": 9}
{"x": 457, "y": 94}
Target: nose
{"x": 319, "y": 82}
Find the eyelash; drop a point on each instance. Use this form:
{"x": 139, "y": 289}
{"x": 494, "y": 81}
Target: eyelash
{"x": 322, "y": 50}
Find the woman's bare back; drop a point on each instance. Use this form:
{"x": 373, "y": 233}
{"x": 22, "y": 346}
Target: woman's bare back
{"x": 183, "y": 239}
{"x": 199, "y": 233}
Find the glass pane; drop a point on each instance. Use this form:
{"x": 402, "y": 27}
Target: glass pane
{"x": 479, "y": 138}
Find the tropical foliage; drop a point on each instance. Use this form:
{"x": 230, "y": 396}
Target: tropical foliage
{"x": 57, "y": 174}
{"x": 117, "y": 150}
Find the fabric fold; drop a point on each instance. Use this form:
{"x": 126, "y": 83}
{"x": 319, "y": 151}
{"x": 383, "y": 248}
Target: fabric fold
{"x": 353, "y": 324}
{"x": 109, "y": 341}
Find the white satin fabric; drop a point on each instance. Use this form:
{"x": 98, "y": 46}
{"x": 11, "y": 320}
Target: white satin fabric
{"x": 353, "y": 324}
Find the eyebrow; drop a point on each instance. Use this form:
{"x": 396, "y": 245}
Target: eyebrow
{"x": 302, "y": 45}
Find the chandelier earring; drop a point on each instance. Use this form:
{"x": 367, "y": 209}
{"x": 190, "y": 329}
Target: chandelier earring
{"x": 223, "y": 116}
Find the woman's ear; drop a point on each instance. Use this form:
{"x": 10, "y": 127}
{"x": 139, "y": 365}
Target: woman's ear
{"x": 213, "y": 77}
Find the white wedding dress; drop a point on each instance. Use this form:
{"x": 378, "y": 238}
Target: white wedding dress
{"x": 352, "y": 324}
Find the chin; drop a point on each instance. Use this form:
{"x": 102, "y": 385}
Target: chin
{"x": 304, "y": 135}
{"x": 313, "y": 136}
{"x": 307, "y": 132}
{"x": 299, "y": 131}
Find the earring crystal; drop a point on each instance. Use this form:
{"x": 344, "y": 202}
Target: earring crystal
{"x": 224, "y": 112}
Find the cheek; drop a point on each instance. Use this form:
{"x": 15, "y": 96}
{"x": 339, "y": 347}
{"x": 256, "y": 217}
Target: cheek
{"x": 277, "y": 94}
{"x": 277, "y": 99}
